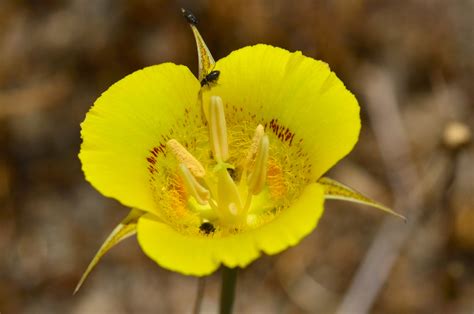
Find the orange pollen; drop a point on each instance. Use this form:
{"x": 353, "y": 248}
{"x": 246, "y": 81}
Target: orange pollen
{"x": 275, "y": 180}
{"x": 178, "y": 197}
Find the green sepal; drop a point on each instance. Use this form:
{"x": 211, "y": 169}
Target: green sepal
{"x": 338, "y": 191}
{"x": 126, "y": 228}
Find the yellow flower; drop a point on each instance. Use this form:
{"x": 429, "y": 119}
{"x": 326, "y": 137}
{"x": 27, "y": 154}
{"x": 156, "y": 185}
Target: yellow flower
{"x": 221, "y": 168}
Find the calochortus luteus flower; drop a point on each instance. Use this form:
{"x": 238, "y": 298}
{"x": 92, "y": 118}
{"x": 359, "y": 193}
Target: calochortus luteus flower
{"x": 223, "y": 167}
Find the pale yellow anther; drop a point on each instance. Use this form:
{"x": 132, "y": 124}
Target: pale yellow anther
{"x": 218, "y": 130}
{"x": 257, "y": 137}
{"x": 186, "y": 158}
{"x": 192, "y": 186}
{"x": 256, "y": 179}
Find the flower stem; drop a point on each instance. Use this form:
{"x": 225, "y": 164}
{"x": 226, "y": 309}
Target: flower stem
{"x": 201, "y": 286}
{"x": 229, "y": 280}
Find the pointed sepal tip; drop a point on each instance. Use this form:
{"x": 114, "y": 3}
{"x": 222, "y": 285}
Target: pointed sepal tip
{"x": 336, "y": 190}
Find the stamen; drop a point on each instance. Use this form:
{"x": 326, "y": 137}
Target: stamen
{"x": 257, "y": 137}
{"x": 193, "y": 187}
{"x": 218, "y": 130}
{"x": 256, "y": 179}
{"x": 186, "y": 158}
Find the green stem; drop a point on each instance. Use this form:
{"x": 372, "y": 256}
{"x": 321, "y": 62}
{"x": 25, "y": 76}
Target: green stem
{"x": 229, "y": 280}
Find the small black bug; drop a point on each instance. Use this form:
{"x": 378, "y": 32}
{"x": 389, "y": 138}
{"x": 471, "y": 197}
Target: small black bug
{"x": 210, "y": 78}
{"x": 191, "y": 18}
{"x": 207, "y": 228}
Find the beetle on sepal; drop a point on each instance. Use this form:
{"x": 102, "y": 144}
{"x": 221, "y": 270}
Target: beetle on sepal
{"x": 210, "y": 78}
{"x": 189, "y": 16}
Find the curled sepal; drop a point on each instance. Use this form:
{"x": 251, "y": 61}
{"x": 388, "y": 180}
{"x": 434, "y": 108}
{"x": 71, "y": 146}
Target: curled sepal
{"x": 125, "y": 229}
{"x": 339, "y": 191}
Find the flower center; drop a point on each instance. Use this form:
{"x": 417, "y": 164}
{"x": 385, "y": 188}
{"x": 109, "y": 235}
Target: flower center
{"x": 215, "y": 194}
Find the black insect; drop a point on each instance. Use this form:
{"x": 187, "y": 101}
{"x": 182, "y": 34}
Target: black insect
{"x": 207, "y": 228}
{"x": 212, "y": 77}
{"x": 191, "y": 18}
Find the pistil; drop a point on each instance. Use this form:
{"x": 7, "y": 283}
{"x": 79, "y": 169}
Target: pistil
{"x": 229, "y": 204}
{"x": 215, "y": 190}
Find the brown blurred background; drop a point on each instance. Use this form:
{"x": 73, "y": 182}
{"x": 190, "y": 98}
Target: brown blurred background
{"x": 410, "y": 63}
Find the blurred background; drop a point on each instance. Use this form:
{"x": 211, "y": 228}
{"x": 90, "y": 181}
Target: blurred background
{"x": 410, "y": 64}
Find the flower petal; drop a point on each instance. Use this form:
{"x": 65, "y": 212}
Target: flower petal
{"x": 125, "y": 229}
{"x": 201, "y": 256}
{"x": 289, "y": 90}
{"x": 338, "y": 191}
{"x": 191, "y": 255}
{"x": 133, "y": 116}
{"x": 294, "y": 223}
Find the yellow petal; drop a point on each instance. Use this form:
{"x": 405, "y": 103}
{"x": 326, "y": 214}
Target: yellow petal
{"x": 339, "y": 191}
{"x": 288, "y": 90}
{"x": 125, "y": 229}
{"x": 131, "y": 119}
{"x": 294, "y": 223}
{"x": 201, "y": 255}
{"x": 191, "y": 255}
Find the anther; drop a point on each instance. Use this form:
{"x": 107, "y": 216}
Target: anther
{"x": 256, "y": 179}
{"x": 257, "y": 137}
{"x": 192, "y": 186}
{"x": 186, "y": 158}
{"x": 218, "y": 130}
